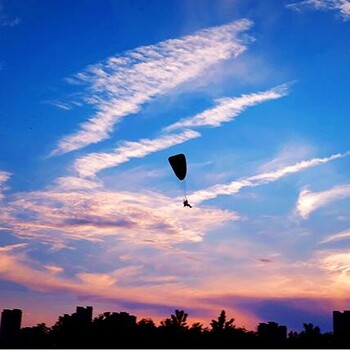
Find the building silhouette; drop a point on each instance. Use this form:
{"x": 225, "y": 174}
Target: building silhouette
{"x": 83, "y": 316}
{"x": 341, "y": 325}
{"x": 10, "y": 324}
{"x": 272, "y": 332}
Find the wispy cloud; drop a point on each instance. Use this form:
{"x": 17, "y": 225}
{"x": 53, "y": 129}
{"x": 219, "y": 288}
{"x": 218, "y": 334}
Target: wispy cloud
{"x": 69, "y": 183}
{"x": 337, "y": 264}
{"x": 92, "y": 163}
{"x": 147, "y": 279}
{"x": 259, "y": 179}
{"x": 54, "y": 269}
{"x": 157, "y": 282}
{"x": 290, "y": 152}
{"x": 228, "y": 108}
{"x": 10, "y": 248}
{"x": 61, "y": 105}
{"x": 310, "y": 201}
{"x": 97, "y": 279}
{"x": 4, "y": 176}
{"x": 6, "y": 21}
{"x": 336, "y": 237}
{"x": 57, "y": 217}
{"x": 166, "y": 291}
{"x": 123, "y": 83}
{"x": 9, "y": 22}
{"x": 343, "y": 6}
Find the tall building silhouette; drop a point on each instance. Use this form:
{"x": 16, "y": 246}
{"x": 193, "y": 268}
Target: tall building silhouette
{"x": 341, "y": 325}
{"x": 272, "y": 332}
{"x": 10, "y": 323}
{"x": 82, "y": 316}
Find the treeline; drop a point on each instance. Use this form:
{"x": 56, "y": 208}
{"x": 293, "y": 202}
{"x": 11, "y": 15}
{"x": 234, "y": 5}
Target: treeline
{"x": 120, "y": 330}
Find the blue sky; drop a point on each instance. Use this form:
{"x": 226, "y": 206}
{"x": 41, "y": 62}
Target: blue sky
{"x": 96, "y": 96}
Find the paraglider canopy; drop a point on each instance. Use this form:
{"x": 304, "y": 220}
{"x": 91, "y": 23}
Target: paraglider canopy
{"x": 179, "y": 166}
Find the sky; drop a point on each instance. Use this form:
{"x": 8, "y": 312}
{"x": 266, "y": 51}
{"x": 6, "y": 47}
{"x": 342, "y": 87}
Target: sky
{"x": 95, "y": 96}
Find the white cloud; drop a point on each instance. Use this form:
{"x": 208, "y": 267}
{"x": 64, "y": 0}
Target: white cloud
{"x": 343, "y": 6}
{"x": 337, "y": 264}
{"x": 92, "y": 163}
{"x": 57, "y": 218}
{"x": 99, "y": 279}
{"x": 69, "y": 183}
{"x": 259, "y": 179}
{"x": 121, "y": 85}
{"x": 310, "y": 201}
{"x": 4, "y": 176}
{"x": 228, "y": 108}
{"x": 113, "y": 278}
{"x": 337, "y": 237}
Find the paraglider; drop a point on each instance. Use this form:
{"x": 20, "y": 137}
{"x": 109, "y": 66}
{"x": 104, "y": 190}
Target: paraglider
{"x": 186, "y": 204}
{"x": 179, "y": 165}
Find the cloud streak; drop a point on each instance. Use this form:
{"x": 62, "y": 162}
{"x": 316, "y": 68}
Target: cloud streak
{"x": 228, "y": 108}
{"x": 259, "y": 179}
{"x": 92, "y": 163}
{"x": 4, "y": 176}
{"x": 336, "y": 237}
{"x": 309, "y": 201}
{"x": 68, "y": 183}
{"x": 10, "y": 248}
{"x": 122, "y": 84}
{"x": 343, "y": 6}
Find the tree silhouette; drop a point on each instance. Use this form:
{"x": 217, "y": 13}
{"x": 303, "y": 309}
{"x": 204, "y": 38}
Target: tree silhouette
{"x": 311, "y": 335}
{"x": 221, "y": 324}
{"x": 198, "y": 328}
{"x": 146, "y": 332}
{"x": 176, "y": 321}
{"x": 38, "y": 336}
{"x": 146, "y": 323}
{"x": 173, "y": 330}
{"x": 310, "y": 330}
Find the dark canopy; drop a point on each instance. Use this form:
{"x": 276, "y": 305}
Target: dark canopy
{"x": 178, "y": 164}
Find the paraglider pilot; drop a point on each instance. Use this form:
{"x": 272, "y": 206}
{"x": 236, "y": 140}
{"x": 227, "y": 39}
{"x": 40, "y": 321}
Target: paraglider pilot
{"x": 186, "y": 204}
{"x": 179, "y": 166}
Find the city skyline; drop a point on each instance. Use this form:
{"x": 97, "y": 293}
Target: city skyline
{"x": 96, "y": 97}
{"x": 11, "y": 320}
{"x": 110, "y": 329}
